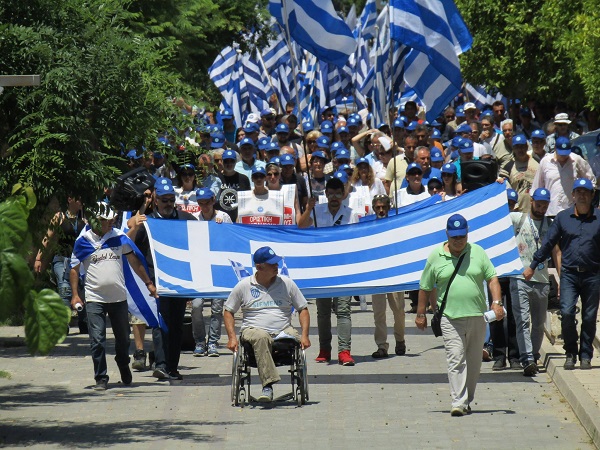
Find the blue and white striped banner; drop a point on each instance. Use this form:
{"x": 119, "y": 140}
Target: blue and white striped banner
{"x": 193, "y": 259}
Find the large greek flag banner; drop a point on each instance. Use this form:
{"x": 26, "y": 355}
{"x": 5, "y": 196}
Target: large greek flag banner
{"x": 194, "y": 259}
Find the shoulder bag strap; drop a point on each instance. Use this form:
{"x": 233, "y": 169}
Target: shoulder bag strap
{"x": 443, "y": 305}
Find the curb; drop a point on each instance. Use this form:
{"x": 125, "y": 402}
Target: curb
{"x": 570, "y": 387}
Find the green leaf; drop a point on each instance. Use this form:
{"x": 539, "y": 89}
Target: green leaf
{"x": 13, "y": 224}
{"x": 46, "y": 321}
{"x": 15, "y": 282}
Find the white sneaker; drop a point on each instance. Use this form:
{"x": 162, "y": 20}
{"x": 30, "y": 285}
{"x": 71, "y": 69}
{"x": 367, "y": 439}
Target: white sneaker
{"x": 267, "y": 395}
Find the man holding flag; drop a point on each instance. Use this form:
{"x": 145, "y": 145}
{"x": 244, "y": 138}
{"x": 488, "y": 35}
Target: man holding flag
{"x": 99, "y": 250}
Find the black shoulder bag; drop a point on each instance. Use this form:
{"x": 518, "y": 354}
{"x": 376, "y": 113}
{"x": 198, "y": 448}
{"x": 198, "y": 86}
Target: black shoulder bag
{"x": 436, "y": 320}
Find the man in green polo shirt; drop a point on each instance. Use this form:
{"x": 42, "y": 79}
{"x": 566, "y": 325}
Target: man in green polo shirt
{"x": 463, "y": 325}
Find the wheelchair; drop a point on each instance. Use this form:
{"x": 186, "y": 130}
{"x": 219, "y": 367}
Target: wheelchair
{"x": 286, "y": 352}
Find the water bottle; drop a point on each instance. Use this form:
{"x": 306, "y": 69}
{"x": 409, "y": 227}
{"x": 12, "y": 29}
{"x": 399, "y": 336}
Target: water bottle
{"x": 79, "y": 307}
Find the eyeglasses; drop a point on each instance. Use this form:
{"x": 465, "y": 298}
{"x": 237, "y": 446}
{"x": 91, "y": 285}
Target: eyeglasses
{"x": 218, "y": 160}
{"x": 273, "y": 174}
{"x": 447, "y": 174}
{"x": 414, "y": 173}
{"x": 311, "y": 141}
{"x": 337, "y": 195}
{"x": 166, "y": 200}
{"x": 450, "y": 116}
{"x": 228, "y": 161}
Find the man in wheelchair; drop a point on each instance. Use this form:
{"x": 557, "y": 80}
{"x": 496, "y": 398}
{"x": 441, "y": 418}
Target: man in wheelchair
{"x": 266, "y": 300}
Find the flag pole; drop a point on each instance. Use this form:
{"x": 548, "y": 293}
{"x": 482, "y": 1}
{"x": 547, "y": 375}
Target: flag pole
{"x": 295, "y": 73}
{"x": 264, "y": 68}
{"x": 390, "y": 117}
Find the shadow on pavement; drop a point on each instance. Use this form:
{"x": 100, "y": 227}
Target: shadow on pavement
{"x": 94, "y": 435}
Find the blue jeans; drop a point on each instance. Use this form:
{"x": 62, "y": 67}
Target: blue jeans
{"x": 343, "y": 312}
{"x": 96, "y": 315}
{"x": 216, "y": 319}
{"x": 529, "y": 305}
{"x": 61, "y": 266}
{"x": 167, "y": 344}
{"x": 586, "y": 285}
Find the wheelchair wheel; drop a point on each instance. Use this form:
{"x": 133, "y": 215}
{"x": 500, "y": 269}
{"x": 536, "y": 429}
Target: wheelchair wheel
{"x": 304, "y": 375}
{"x": 235, "y": 377}
{"x": 242, "y": 397}
{"x": 299, "y": 396}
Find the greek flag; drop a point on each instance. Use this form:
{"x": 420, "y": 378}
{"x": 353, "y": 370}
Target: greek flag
{"x": 436, "y": 32}
{"x": 192, "y": 259}
{"x": 316, "y": 27}
{"x": 366, "y": 21}
{"x": 139, "y": 302}
{"x": 482, "y": 97}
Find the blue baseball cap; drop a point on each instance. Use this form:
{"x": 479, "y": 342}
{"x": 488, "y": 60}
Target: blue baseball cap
{"x": 164, "y": 189}
{"x": 382, "y": 125}
{"x": 541, "y": 194}
{"x": 343, "y": 129}
{"x": 512, "y": 195}
{"x": 346, "y": 167}
{"x": 435, "y": 123}
{"x": 287, "y": 160}
{"x": 436, "y": 134}
{"x": 187, "y": 166}
{"x": 132, "y": 154}
{"x": 263, "y": 143}
{"x": 282, "y": 128}
{"x": 342, "y": 153}
{"x": 460, "y": 111}
{"x": 353, "y": 122}
{"x": 412, "y": 126}
{"x": 266, "y": 112}
{"x": 466, "y": 146}
{"x": 307, "y": 125}
{"x": 323, "y": 142}
{"x": 519, "y": 139}
{"x": 487, "y": 113}
{"x": 463, "y": 128}
{"x": 449, "y": 168}
{"x": 457, "y": 226}
{"x": 162, "y": 180}
{"x": 247, "y": 141}
{"x": 583, "y": 183}
{"x": 414, "y": 167}
{"x": 326, "y": 127}
{"x": 320, "y": 154}
{"x": 539, "y": 134}
{"x": 275, "y": 161}
{"x": 272, "y": 147}
{"x": 259, "y": 170}
{"x": 251, "y": 127}
{"x": 229, "y": 154}
{"x": 361, "y": 160}
{"x": 341, "y": 175}
{"x": 227, "y": 114}
{"x": 204, "y": 194}
{"x": 398, "y": 123}
{"x": 265, "y": 255}
{"x": 217, "y": 141}
{"x": 563, "y": 146}
{"x": 456, "y": 141}
{"x": 436, "y": 155}
{"x": 335, "y": 146}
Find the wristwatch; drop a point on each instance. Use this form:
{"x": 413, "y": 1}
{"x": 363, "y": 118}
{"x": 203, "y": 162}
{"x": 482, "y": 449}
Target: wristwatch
{"x": 498, "y": 302}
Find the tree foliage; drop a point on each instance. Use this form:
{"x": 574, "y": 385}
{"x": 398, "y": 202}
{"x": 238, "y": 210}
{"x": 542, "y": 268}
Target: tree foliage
{"x": 533, "y": 48}
{"x": 103, "y": 88}
{"x": 46, "y": 316}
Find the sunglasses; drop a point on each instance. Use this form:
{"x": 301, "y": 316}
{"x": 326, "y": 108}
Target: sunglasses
{"x": 334, "y": 195}
{"x": 166, "y": 200}
{"x": 273, "y": 174}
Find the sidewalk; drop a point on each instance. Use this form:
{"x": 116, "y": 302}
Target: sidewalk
{"x": 398, "y": 402}
{"x": 581, "y": 388}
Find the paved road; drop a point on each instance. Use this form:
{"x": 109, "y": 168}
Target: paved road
{"x": 400, "y": 402}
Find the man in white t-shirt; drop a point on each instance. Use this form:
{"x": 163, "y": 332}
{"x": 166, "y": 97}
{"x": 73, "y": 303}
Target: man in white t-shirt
{"x": 100, "y": 249}
{"x": 266, "y": 300}
{"x": 331, "y": 214}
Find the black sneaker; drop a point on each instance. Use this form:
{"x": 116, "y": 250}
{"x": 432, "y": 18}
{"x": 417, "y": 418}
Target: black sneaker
{"x": 101, "y": 384}
{"x": 570, "y": 361}
{"x": 175, "y": 375}
{"x": 499, "y": 364}
{"x": 139, "y": 360}
{"x": 530, "y": 369}
{"x": 515, "y": 364}
{"x": 126, "y": 376}
{"x": 160, "y": 373}
{"x": 400, "y": 348}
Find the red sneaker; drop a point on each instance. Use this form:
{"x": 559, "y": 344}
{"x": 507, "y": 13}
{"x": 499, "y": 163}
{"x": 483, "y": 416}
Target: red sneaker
{"x": 345, "y": 359}
{"x": 324, "y": 356}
